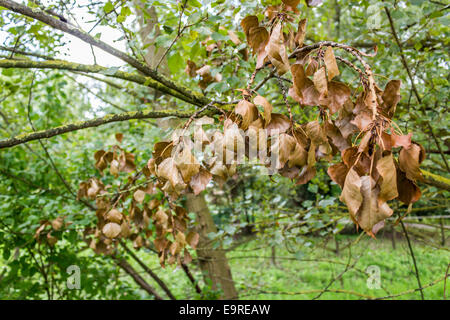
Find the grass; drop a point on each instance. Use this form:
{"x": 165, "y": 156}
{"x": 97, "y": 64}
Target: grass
{"x": 305, "y": 273}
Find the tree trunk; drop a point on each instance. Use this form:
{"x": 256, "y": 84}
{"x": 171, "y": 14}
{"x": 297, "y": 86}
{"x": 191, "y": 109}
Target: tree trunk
{"x": 213, "y": 262}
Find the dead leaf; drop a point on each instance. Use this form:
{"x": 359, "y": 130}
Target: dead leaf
{"x": 247, "y": 111}
{"x": 51, "y": 240}
{"x": 57, "y": 223}
{"x": 278, "y": 124}
{"x": 301, "y": 33}
{"x": 119, "y": 137}
{"x": 351, "y": 193}
{"x": 388, "y": 186}
{"x": 316, "y": 132}
{"x": 320, "y": 82}
{"x": 349, "y": 157}
{"x": 401, "y": 140}
{"x": 371, "y": 212}
{"x": 125, "y": 230}
{"x": 169, "y": 171}
{"x": 111, "y": 230}
{"x": 337, "y": 139}
{"x": 187, "y": 164}
{"x": 258, "y": 38}
{"x": 330, "y": 63}
{"x": 338, "y": 94}
{"x": 408, "y": 191}
{"x": 261, "y": 101}
{"x": 249, "y": 22}
{"x": 308, "y": 172}
{"x": 409, "y": 162}
{"x": 114, "y": 215}
{"x": 277, "y": 51}
{"x": 298, "y": 156}
{"x": 199, "y": 182}
{"x": 291, "y": 3}
{"x": 364, "y": 143}
{"x": 299, "y": 79}
{"x": 282, "y": 148}
{"x": 192, "y": 239}
{"x": 161, "y": 151}
{"x": 139, "y": 196}
{"x": 391, "y": 97}
{"x": 191, "y": 68}
{"x": 338, "y": 173}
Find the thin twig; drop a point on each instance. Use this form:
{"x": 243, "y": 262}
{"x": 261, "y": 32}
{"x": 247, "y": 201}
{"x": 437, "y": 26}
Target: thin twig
{"x": 413, "y": 85}
{"x": 413, "y": 258}
{"x": 58, "y": 173}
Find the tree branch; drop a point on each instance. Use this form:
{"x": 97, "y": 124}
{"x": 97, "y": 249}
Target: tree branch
{"x": 144, "y": 114}
{"x": 435, "y": 180}
{"x": 26, "y": 53}
{"x": 71, "y": 66}
{"x": 413, "y": 85}
{"x": 136, "y": 277}
{"x": 149, "y": 271}
{"x": 191, "y": 278}
{"x": 413, "y": 258}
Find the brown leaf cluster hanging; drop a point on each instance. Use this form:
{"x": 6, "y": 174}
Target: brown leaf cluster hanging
{"x": 146, "y": 216}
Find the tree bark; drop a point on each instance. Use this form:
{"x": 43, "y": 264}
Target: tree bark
{"x": 213, "y": 262}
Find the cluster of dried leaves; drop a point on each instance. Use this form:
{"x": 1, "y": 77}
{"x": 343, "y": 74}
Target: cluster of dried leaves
{"x": 45, "y": 233}
{"x": 361, "y": 130}
{"x": 128, "y": 214}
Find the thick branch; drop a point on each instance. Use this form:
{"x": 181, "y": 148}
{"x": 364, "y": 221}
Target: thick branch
{"x": 65, "y": 65}
{"x": 65, "y": 27}
{"x": 144, "y": 114}
{"x": 435, "y": 180}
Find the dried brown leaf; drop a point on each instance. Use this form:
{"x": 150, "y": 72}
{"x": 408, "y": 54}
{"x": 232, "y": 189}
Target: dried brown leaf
{"x": 261, "y": 101}
{"x": 409, "y": 162}
{"x": 111, "y": 230}
{"x": 199, "y": 182}
{"x": 351, "y": 193}
{"x": 320, "y": 82}
{"x": 338, "y": 173}
{"x": 330, "y": 63}
{"x": 388, "y": 186}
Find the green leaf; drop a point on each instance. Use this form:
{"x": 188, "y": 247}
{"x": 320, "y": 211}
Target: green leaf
{"x": 125, "y": 11}
{"x": 108, "y": 7}
{"x": 175, "y": 63}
